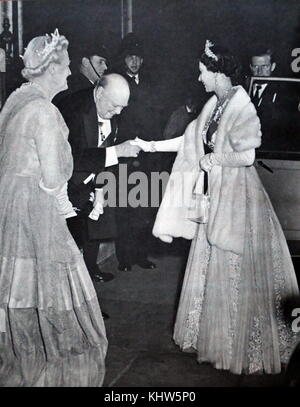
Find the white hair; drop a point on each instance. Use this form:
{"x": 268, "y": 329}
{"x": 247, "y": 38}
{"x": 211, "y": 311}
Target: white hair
{"x": 36, "y": 60}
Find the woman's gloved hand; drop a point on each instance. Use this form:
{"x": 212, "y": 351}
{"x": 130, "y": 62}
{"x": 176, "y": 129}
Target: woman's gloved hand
{"x": 146, "y": 146}
{"x": 207, "y": 162}
{"x": 64, "y": 205}
{"x": 98, "y": 204}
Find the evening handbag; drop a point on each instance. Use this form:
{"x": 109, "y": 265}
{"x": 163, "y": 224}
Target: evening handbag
{"x": 198, "y": 210}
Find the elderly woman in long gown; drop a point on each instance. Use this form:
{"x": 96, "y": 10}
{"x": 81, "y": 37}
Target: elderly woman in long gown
{"x": 239, "y": 269}
{"x": 51, "y": 328}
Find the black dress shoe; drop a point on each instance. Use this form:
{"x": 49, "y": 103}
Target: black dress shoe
{"x": 101, "y": 277}
{"x": 124, "y": 267}
{"x": 147, "y": 264}
{"x": 104, "y": 315}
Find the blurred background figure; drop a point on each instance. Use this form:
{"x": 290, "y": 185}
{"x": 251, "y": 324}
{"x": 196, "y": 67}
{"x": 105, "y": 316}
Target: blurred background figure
{"x": 182, "y": 116}
{"x": 262, "y": 64}
{"x": 178, "y": 122}
{"x": 139, "y": 119}
{"x": 276, "y": 103}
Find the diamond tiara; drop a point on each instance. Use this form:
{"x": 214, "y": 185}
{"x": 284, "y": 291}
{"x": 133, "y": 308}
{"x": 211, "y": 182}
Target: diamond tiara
{"x": 208, "y": 51}
{"x": 50, "y": 44}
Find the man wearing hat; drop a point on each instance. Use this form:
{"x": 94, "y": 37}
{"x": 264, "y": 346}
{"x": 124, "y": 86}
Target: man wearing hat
{"x": 86, "y": 71}
{"x": 94, "y": 65}
{"x": 139, "y": 119}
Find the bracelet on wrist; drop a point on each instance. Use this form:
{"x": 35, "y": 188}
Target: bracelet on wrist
{"x": 152, "y": 147}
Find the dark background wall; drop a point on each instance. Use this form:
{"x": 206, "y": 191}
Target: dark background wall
{"x": 83, "y": 22}
{"x": 173, "y": 32}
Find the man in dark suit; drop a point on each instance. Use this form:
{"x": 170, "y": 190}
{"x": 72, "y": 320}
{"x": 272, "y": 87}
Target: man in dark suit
{"x": 89, "y": 115}
{"x": 264, "y": 93}
{"x": 276, "y": 104}
{"x": 139, "y": 119}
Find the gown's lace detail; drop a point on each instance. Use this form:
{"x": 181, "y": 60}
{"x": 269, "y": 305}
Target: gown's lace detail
{"x": 255, "y": 348}
{"x": 287, "y": 338}
{"x": 192, "y": 322}
{"x": 285, "y": 335}
{"x": 252, "y": 336}
{"x": 193, "y": 317}
{"x": 254, "y": 351}
{"x": 234, "y": 276}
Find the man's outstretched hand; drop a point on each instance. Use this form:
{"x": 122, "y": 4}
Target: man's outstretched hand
{"x": 127, "y": 149}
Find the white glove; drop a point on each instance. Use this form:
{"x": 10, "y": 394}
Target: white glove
{"x": 97, "y": 205}
{"x": 168, "y": 146}
{"x": 64, "y": 205}
{"x": 166, "y": 238}
{"x": 207, "y": 162}
{"x": 146, "y": 146}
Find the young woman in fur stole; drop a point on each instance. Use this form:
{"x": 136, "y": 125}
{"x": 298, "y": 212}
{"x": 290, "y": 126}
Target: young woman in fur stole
{"x": 239, "y": 269}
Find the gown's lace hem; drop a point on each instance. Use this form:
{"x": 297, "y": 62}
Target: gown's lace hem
{"x": 234, "y": 278}
{"x": 287, "y": 338}
{"x": 255, "y": 348}
{"x": 254, "y": 351}
{"x": 256, "y": 356}
{"x": 193, "y": 317}
{"x": 192, "y": 323}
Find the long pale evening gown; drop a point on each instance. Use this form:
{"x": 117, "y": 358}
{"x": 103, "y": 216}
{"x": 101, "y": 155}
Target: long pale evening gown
{"x": 51, "y": 328}
{"x": 239, "y": 271}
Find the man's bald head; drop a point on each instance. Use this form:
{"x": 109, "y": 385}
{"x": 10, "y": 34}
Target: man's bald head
{"x": 111, "y": 95}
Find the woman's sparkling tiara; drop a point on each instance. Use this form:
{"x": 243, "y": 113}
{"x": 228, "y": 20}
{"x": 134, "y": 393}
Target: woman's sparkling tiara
{"x": 50, "y": 45}
{"x": 208, "y": 51}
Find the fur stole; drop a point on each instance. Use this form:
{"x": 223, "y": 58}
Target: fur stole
{"x": 238, "y": 130}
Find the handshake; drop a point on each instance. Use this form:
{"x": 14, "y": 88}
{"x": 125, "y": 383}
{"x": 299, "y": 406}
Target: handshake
{"x": 131, "y": 148}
